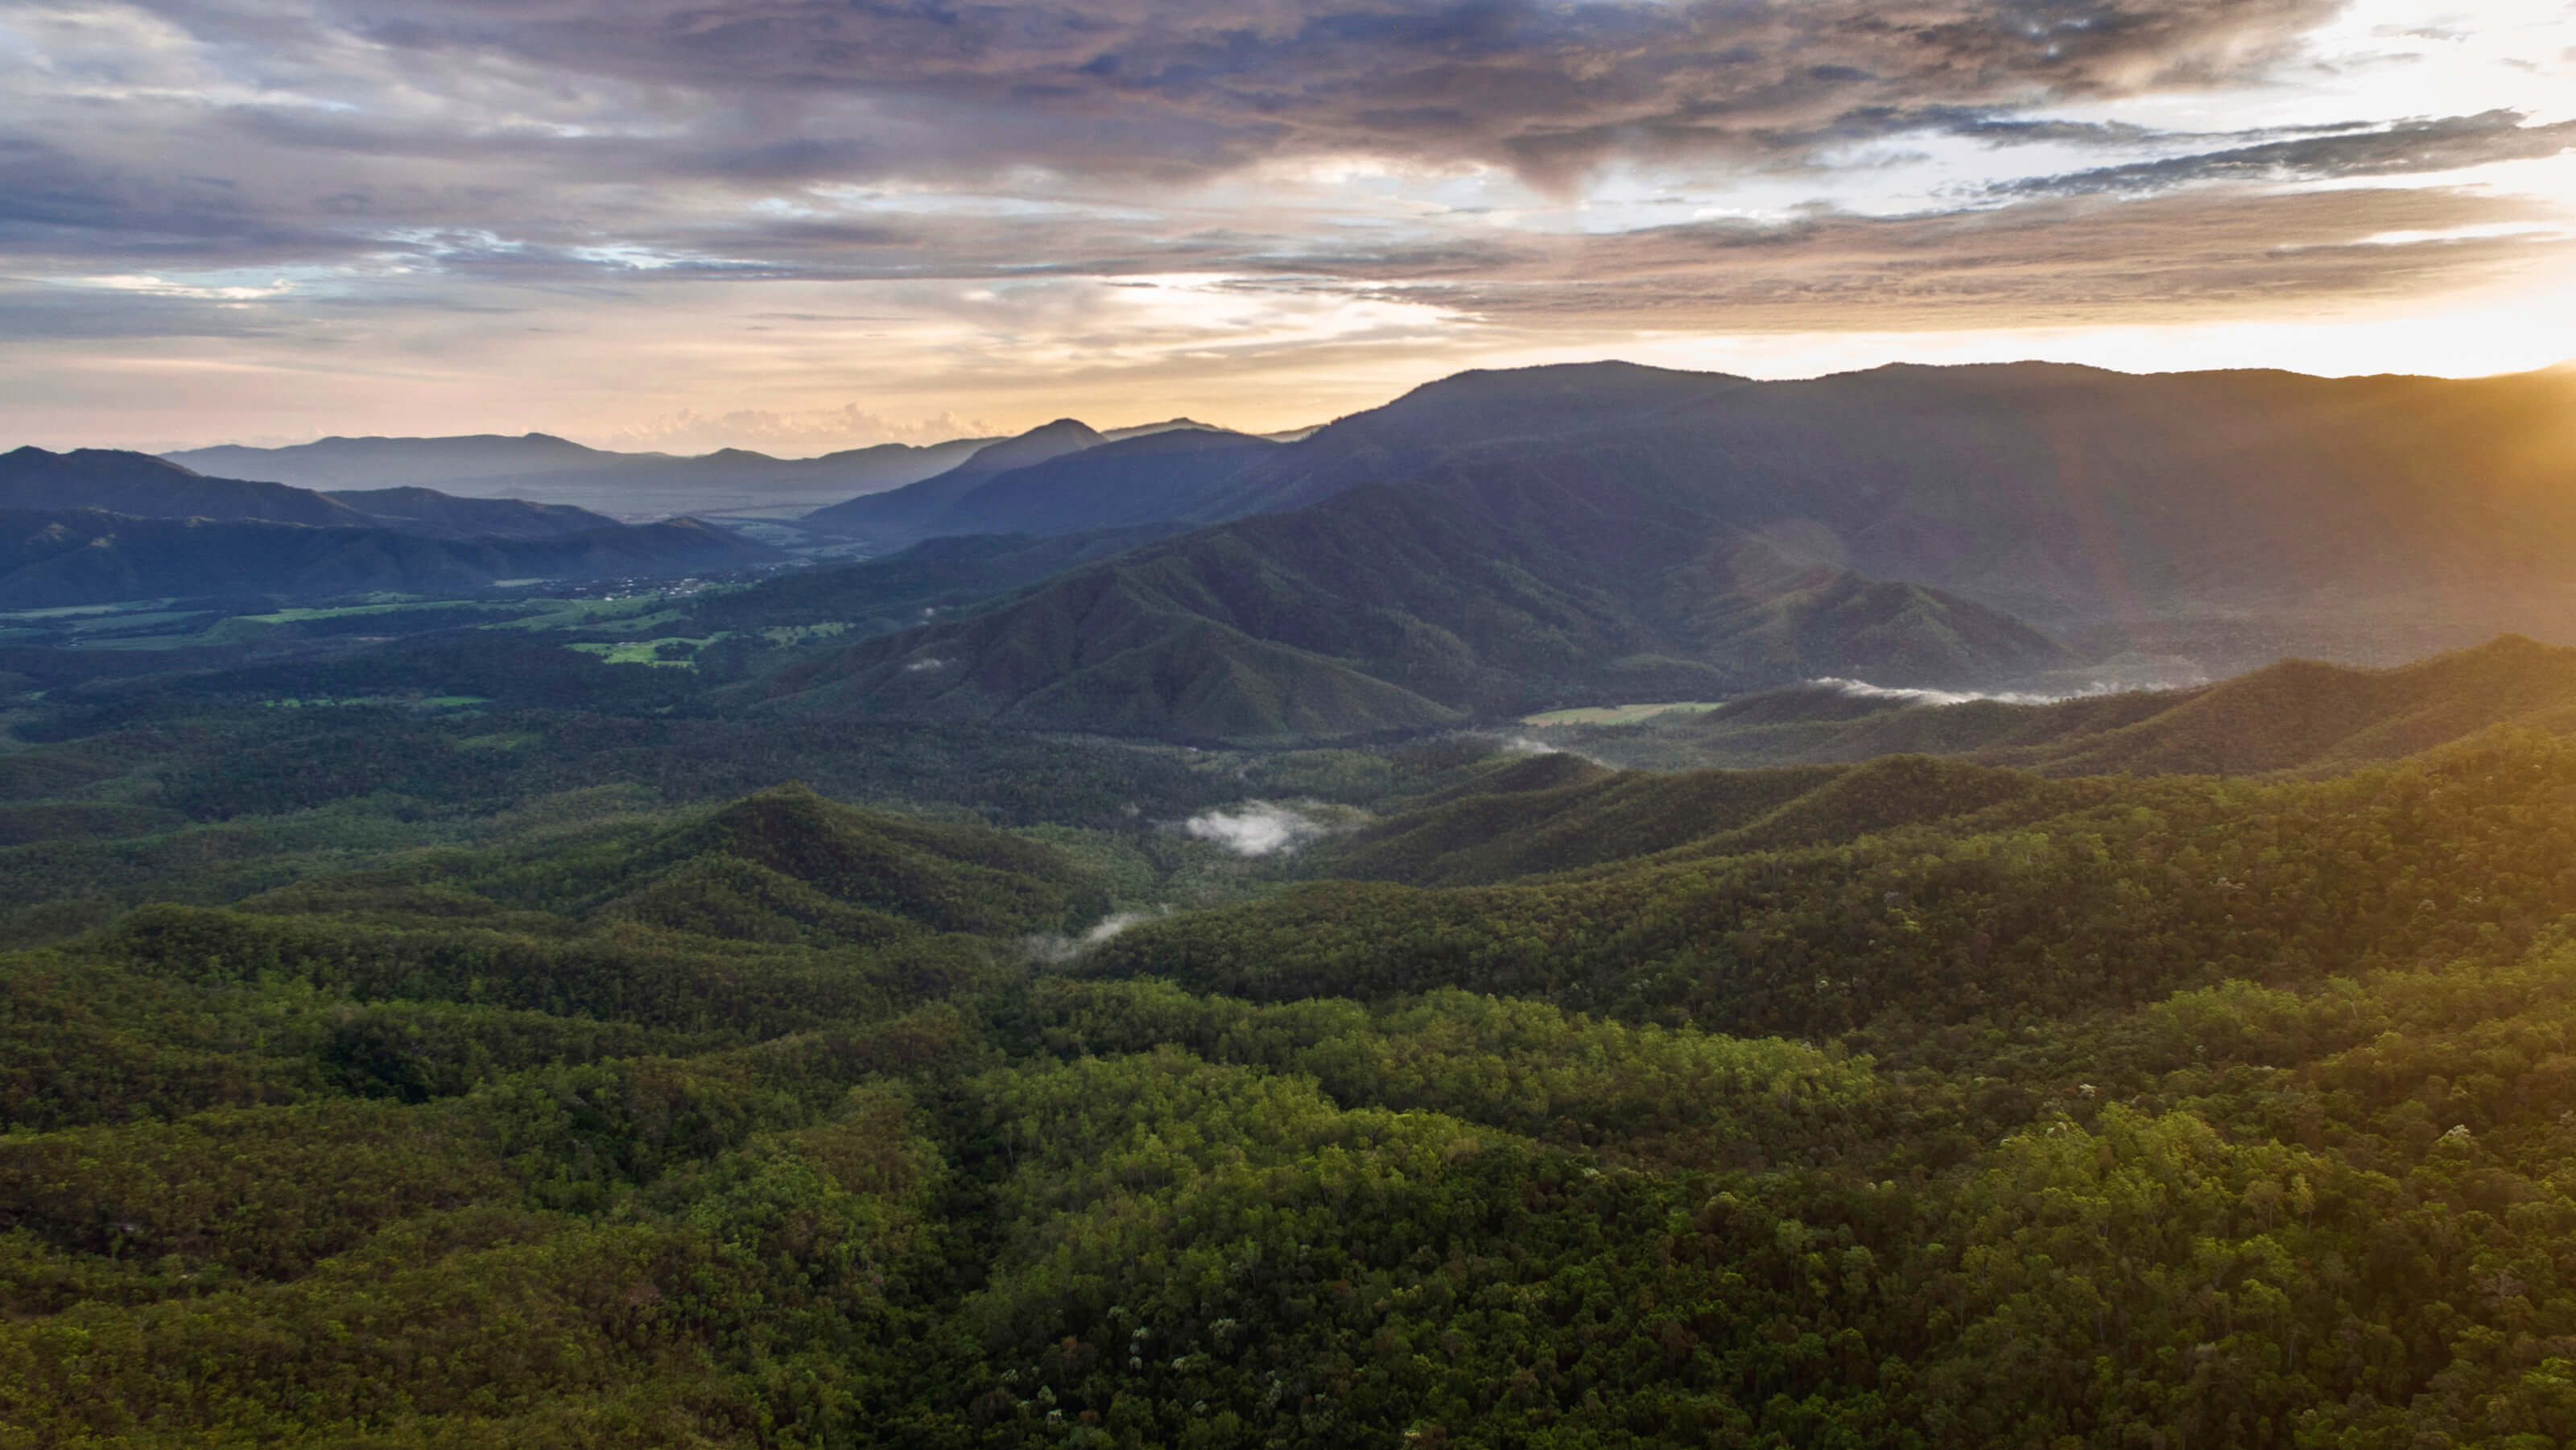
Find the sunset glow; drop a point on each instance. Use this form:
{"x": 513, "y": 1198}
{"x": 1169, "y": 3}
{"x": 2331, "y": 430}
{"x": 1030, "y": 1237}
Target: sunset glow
{"x": 799, "y": 227}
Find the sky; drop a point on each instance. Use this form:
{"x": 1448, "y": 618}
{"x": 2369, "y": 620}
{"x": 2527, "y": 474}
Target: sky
{"x": 804, "y": 225}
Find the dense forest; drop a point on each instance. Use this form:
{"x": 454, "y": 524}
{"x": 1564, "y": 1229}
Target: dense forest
{"x": 509, "y": 1072}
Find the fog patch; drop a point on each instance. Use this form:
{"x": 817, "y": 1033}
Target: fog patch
{"x": 1528, "y": 745}
{"x": 1863, "y": 690}
{"x": 1255, "y": 829}
{"x": 917, "y": 666}
{"x": 1054, "y": 948}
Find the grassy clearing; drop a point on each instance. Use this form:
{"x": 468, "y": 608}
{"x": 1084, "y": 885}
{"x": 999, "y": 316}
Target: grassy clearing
{"x": 665, "y": 652}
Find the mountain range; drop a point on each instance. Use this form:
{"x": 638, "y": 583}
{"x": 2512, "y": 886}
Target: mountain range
{"x": 57, "y": 558}
{"x": 1497, "y": 540}
{"x": 116, "y": 481}
{"x": 2150, "y": 504}
{"x": 628, "y": 485}
{"x": 1391, "y": 608}
{"x": 95, "y": 526}
{"x": 1500, "y": 542}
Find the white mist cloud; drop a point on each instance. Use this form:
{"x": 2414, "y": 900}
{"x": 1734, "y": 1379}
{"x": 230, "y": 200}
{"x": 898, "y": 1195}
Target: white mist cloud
{"x": 1055, "y": 948}
{"x": 1258, "y": 828}
{"x": 1863, "y": 690}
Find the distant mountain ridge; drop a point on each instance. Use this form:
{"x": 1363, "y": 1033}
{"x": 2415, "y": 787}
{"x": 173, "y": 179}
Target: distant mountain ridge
{"x": 117, "y": 481}
{"x": 52, "y": 559}
{"x": 557, "y": 470}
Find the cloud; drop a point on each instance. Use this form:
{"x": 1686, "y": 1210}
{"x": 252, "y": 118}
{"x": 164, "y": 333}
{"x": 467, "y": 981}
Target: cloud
{"x": 2408, "y": 148}
{"x": 1056, "y": 949}
{"x": 929, "y": 196}
{"x": 1863, "y": 690}
{"x": 1255, "y": 829}
{"x": 1163, "y": 86}
{"x": 2053, "y": 260}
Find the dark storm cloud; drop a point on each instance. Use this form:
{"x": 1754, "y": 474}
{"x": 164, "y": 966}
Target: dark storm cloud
{"x": 860, "y": 87}
{"x": 619, "y": 145}
{"x": 2408, "y": 148}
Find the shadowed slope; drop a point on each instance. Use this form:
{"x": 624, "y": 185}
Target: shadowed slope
{"x": 48, "y": 560}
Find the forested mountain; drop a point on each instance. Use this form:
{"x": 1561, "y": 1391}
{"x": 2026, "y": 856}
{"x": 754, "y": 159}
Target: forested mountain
{"x": 1500, "y": 541}
{"x": 2236, "y": 515}
{"x": 2231, "y": 516}
{"x": 479, "y": 1080}
{"x": 1403, "y": 608}
{"x": 556, "y": 470}
{"x": 73, "y": 557}
{"x": 136, "y": 483}
{"x": 114, "y": 481}
{"x": 2296, "y": 715}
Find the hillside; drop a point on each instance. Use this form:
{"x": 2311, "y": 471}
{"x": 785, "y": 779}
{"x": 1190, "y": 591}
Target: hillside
{"x": 782, "y": 866}
{"x": 913, "y": 511}
{"x": 1402, "y": 608}
{"x": 1555, "y": 813}
{"x": 71, "y": 557}
{"x": 427, "y": 511}
{"x": 2295, "y": 715}
{"x": 897, "y": 591}
{"x": 135, "y": 483}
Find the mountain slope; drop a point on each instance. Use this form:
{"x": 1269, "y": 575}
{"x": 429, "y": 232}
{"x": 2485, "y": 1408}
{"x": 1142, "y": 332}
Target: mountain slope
{"x": 67, "y": 557}
{"x": 2295, "y": 715}
{"x": 2233, "y": 516}
{"x": 1543, "y": 817}
{"x": 1159, "y": 477}
{"x": 908, "y": 512}
{"x": 897, "y": 591}
{"x": 1388, "y": 608}
{"x": 425, "y": 510}
{"x": 1167, "y": 475}
{"x": 121, "y": 482}
{"x": 148, "y": 487}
